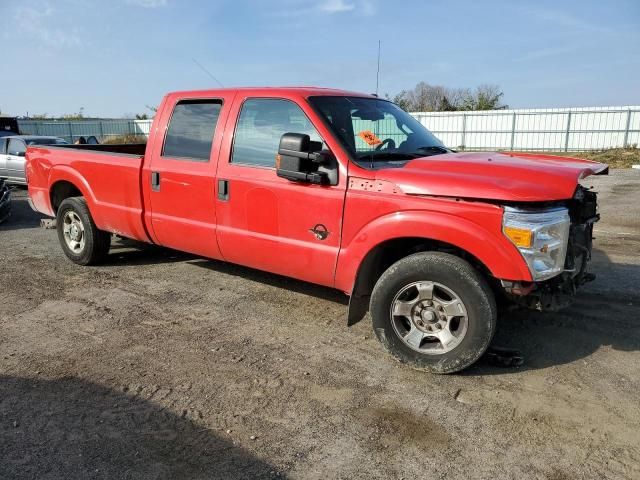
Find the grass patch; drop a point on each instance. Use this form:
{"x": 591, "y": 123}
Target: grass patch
{"x": 614, "y": 157}
{"x": 120, "y": 139}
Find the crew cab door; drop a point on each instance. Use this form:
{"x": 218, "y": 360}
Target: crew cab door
{"x": 179, "y": 178}
{"x": 267, "y": 222}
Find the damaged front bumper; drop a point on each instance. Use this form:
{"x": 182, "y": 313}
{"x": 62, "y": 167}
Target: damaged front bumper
{"x": 558, "y": 292}
{"x": 5, "y": 201}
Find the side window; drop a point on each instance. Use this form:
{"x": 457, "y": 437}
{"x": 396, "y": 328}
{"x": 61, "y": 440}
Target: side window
{"x": 191, "y": 129}
{"x": 16, "y": 147}
{"x": 261, "y": 124}
{"x": 3, "y": 145}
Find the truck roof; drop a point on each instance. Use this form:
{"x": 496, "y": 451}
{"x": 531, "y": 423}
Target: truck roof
{"x": 304, "y": 91}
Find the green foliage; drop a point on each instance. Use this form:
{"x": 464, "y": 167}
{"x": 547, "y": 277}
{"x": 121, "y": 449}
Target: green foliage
{"x": 437, "y": 98}
{"x": 120, "y": 139}
{"x": 614, "y": 157}
{"x": 74, "y": 116}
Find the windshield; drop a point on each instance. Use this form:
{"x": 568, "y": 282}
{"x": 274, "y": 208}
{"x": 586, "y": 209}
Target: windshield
{"x": 375, "y": 130}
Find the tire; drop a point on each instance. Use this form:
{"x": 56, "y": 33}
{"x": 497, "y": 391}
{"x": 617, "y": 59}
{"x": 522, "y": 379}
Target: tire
{"x": 444, "y": 312}
{"x": 79, "y": 237}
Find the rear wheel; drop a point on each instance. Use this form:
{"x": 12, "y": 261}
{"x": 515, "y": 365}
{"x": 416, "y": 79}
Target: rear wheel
{"x": 81, "y": 241}
{"x": 434, "y": 311}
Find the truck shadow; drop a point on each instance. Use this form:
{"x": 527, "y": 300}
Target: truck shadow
{"x": 274, "y": 280}
{"x": 71, "y": 428}
{"x": 22, "y": 216}
{"x": 126, "y": 252}
{"x": 606, "y": 313}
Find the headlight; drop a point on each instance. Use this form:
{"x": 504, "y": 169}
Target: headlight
{"x": 541, "y": 237}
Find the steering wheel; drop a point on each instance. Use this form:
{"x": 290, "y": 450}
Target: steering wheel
{"x": 391, "y": 144}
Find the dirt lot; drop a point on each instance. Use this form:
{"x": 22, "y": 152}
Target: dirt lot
{"x": 164, "y": 365}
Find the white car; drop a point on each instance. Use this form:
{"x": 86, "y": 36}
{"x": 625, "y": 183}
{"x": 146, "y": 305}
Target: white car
{"x": 12, "y": 150}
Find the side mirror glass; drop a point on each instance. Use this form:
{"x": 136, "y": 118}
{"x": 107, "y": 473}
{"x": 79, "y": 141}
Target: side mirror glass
{"x": 300, "y": 160}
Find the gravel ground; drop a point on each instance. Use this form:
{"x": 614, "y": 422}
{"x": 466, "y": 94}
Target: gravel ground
{"x": 165, "y": 365}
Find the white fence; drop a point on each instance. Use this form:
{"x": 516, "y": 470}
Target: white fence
{"x": 556, "y": 129}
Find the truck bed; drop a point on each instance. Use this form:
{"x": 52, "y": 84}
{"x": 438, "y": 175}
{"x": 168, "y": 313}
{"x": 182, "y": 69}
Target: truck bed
{"x": 108, "y": 176}
{"x": 128, "y": 148}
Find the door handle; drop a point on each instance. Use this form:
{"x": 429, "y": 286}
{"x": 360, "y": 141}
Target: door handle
{"x": 223, "y": 190}
{"x": 155, "y": 181}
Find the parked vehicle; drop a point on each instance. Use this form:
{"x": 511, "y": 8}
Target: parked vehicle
{"x": 5, "y": 201}
{"x": 9, "y": 126}
{"x": 343, "y": 190}
{"x": 12, "y": 153}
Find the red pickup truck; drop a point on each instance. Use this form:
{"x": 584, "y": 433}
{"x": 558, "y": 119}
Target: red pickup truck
{"x": 340, "y": 189}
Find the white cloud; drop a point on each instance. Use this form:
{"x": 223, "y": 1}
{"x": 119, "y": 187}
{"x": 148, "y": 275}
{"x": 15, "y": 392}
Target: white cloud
{"x": 37, "y": 20}
{"x": 368, "y": 8}
{"x": 336, "y": 6}
{"x": 544, "y": 53}
{"x": 300, "y": 9}
{"x": 148, "y": 3}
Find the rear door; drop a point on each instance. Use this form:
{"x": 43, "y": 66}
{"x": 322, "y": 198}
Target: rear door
{"x": 180, "y": 175}
{"x": 268, "y": 222}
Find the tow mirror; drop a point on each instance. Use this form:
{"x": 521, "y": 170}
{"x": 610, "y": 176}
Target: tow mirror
{"x": 301, "y": 160}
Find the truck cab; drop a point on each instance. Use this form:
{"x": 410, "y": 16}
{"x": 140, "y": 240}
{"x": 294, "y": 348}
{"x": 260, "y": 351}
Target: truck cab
{"x": 340, "y": 189}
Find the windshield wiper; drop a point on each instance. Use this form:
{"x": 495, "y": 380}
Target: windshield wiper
{"x": 434, "y": 148}
{"x": 382, "y": 155}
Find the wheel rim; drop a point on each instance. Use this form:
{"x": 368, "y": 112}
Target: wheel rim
{"x": 429, "y": 317}
{"x": 73, "y": 231}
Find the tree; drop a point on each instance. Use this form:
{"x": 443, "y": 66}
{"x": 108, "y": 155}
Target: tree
{"x": 485, "y": 97}
{"x": 437, "y": 98}
{"x": 142, "y": 116}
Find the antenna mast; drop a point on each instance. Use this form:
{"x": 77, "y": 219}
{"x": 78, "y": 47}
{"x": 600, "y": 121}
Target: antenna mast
{"x": 378, "y": 71}
{"x": 207, "y": 72}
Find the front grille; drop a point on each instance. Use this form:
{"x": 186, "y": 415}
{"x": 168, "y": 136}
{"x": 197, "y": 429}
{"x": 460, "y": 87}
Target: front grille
{"x": 583, "y": 211}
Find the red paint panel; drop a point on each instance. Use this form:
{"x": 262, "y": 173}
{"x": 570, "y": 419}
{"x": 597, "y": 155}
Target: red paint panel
{"x": 182, "y": 211}
{"x": 266, "y": 221}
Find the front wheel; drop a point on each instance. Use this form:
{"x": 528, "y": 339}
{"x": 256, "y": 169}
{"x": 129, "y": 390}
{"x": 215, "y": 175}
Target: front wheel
{"x": 79, "y": 237}
{"x": 434, "y": 311}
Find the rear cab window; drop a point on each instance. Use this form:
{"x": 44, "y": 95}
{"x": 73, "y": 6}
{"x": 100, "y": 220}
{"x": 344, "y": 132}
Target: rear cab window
{"x": 261, "y": 124}
{"x": 191, "y": 128}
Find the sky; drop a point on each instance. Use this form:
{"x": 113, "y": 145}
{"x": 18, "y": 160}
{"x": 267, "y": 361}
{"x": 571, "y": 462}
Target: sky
{"x": 113, "y": 58}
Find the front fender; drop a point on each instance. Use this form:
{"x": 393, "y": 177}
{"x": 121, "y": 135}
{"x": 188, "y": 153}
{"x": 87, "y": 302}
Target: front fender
{"x": 490, "y": 247}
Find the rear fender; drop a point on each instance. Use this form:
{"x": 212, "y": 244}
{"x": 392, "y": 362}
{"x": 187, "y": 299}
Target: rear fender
{"x": 64, "y": 173}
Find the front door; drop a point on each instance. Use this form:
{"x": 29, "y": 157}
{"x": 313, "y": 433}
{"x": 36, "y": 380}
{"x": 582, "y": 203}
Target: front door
{"x": 180, "y": 178}
{"x": 268, "y": 222}
{"x": 3, "y": 156}
{"x": 15, "y": 160}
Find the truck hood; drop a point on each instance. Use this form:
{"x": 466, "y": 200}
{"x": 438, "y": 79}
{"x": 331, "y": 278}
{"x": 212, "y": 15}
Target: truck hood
{"x": 521, "y": 177}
